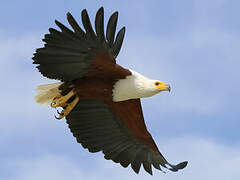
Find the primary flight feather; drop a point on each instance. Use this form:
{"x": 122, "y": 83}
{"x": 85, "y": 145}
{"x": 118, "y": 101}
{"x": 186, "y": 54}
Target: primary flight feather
{"x": 100, "y": 99}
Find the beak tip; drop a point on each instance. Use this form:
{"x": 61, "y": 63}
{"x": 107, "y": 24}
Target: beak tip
{"x": 169, "y": 88}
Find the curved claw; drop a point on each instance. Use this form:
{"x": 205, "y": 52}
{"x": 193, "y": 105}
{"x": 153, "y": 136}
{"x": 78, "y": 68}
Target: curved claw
{"x": 60, "y": 113}
{"x": 62, "y": 101}
{"x": 58, "y": 118}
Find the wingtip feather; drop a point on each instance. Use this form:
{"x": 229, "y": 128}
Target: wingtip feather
{"x": 101, "y": 8}
{"x": 178, "y": 166}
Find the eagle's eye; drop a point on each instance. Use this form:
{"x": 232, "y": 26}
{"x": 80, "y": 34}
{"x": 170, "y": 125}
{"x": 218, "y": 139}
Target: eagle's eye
{"x": 157, "y": 83}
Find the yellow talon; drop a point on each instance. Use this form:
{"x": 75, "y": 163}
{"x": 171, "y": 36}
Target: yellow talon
{"x": 68, "y": 108}
{"x": 61, "y": 101}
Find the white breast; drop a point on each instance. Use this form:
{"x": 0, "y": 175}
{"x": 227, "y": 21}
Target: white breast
{"x": 133, "y": 87}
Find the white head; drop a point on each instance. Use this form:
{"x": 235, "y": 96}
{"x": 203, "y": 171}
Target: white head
{"x": 137, "y": 86}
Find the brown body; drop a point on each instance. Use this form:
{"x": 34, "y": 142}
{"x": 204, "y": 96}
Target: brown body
{"x": 129, "y": 112}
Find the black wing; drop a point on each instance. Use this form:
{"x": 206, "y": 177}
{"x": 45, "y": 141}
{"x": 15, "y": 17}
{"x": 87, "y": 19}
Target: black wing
{"x": 98, "y": 128}
{"x": 67, "y": 54}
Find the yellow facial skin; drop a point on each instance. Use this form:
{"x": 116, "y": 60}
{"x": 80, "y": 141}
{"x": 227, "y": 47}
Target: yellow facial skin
{"x": 162, "y": 86}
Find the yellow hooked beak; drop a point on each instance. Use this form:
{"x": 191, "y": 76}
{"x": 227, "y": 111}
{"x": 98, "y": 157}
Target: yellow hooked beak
{"x": 162, "y": 86}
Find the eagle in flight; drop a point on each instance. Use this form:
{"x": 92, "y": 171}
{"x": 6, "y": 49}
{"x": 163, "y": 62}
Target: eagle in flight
{"x": 99, "y": 99}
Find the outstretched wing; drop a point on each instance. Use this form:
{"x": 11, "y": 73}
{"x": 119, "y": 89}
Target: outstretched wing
{"x": 119, "y": 131}
{"x": 69, "y": 55}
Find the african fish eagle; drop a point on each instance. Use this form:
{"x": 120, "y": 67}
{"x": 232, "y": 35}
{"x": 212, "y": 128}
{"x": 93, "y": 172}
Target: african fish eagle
{"x": 100, "y": 99}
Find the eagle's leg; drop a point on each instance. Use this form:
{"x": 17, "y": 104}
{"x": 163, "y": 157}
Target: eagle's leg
{"x": 67, "y": 102}
{"x": 68, "y": 108}
{"x": 61, "y": 101}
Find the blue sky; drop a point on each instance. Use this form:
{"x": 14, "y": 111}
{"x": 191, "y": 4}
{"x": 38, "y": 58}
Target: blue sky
{"x": 193, "y": 45}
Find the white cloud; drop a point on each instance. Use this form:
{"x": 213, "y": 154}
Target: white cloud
{"x": 46, "y": 167}
{"x": 17, "y": 48}
{"x": 19, "y": 79}
{"x": 207, "y": 160}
